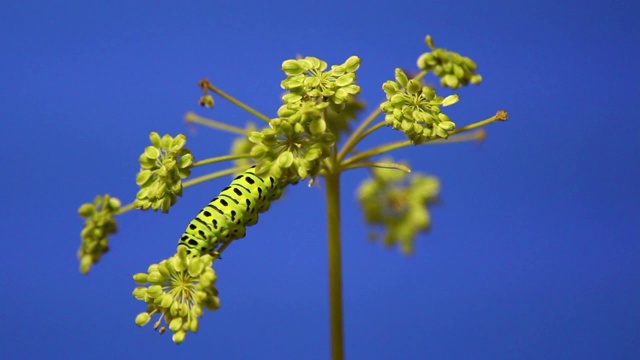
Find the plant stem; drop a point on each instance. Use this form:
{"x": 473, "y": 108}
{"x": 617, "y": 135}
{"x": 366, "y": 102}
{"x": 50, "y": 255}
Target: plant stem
{"x": 192, "y": 117}
{"x": 479, "y": 135}
{"x": 381, "y": 149}
{"x": 219, "y": 159}
{"x": 194, "y": 181}
{"x": 238, "y": 103}
{"x": 332, "y": 179}
{"x": 354, "y": 138}
{"x": 124, "y": 209}
{"x": 214, "y": 175}
{"x": 377, "y": 164}
{"x": 372, "y": 129}
{"x": 501, "y": 115}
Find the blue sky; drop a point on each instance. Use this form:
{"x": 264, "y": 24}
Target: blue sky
{"x": 534, "y": 251}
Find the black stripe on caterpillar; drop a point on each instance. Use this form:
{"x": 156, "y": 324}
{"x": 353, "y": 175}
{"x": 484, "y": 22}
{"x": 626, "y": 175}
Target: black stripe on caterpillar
{"x": 226, "y": 217}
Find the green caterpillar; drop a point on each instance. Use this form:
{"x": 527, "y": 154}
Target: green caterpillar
{"x": 227, "y": 215}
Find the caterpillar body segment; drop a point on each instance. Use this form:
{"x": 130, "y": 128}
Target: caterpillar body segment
{"x": 226, "y": 217}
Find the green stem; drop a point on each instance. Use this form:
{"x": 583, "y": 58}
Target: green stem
{"x": 375, "y": 151}
{"x": 377, "y": 164}
{"x": 192, "y": 117}
{"x": 332, "y": 179}
{"x": 420, "y": 75}
{"x": 194, "y": 181}
{"x": 237, "y": 102}
{"x": 214, "y": 175}
{"x": 500, "y": 116}
{"x": 372, "y": 129}
{"x": 219, "y": 158}
{"x": 355, "y": 138}
{"x": 478, "y": 135}
{"x": 124, "y": 209}
{"x": 221, "y": 249}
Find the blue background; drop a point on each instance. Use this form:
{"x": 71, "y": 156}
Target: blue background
{"x": 534, "y": 252}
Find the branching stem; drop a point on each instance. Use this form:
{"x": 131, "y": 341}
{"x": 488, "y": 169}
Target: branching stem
{"x": 371, "y": 130}
{"x": 478, "y": 135}
{"x": 378, "y": 164}
{"x": 500, "y": 116}
{"x": 375, "y": 151}
{"x": 205, "y": 83}
{"x": 219, "y": 159}
{"x": 355, "y": 137}
{"x": 194, "y": 181}
{"x": 214, "y": 175}
{"x": 194, "y": 118}
{"x": 124, "y": 209}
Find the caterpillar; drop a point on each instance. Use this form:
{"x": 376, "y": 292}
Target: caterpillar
{"x": 226, "y": 217}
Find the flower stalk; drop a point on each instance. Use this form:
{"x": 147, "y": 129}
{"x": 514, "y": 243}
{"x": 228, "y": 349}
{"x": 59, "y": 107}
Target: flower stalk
{"x": 332, "y": 180}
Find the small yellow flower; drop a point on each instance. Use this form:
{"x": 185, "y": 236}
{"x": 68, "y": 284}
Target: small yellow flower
{"x": 178, "y": 289}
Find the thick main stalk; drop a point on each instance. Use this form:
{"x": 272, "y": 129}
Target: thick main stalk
{"x": 335, "y": 265}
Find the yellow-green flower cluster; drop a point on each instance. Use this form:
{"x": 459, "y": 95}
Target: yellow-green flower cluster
{"x": 178, "y": 289}
{"x": 398, "y": 204}
{"x": 162, "y": 167}
{"x": 307, "y": 78}
{"x": 289, "y": 153}
{"x": 414, "y": 109}
{"x": 453, "y": 69}
{"x": 99, "y": 224}
{"x": 295, "y": 143}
